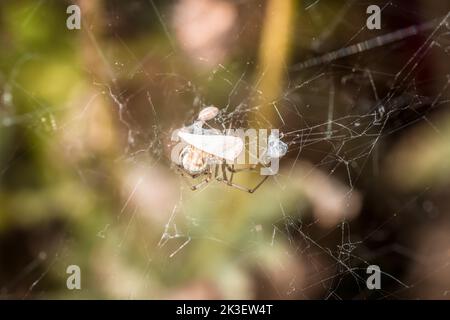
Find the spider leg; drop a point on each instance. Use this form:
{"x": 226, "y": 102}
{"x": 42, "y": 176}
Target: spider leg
{"x": 231, "y": 168}
{"x": 194, "y": 187}
{"x": 230, "y": 183}
{"x": 220, "y": 167}
{"x": 184, "y": 173}
{"x": 216, "y": 171}
{"x": 249, "y": 190}
{"x": 201, "y": 183}
{"x": 224, "y": 172}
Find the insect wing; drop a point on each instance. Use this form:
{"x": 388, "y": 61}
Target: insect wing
{"x": 226, "y": 147}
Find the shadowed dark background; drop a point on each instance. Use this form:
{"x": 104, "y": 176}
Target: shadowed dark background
{"x": 85, "y": 173}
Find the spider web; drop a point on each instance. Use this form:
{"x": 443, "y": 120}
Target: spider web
{"x": 311, "y": 231}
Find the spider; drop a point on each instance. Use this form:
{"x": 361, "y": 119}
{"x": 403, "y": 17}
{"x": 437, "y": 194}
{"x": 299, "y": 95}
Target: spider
{"x": 211, "y": 154}
{"x": 219, "y": 170}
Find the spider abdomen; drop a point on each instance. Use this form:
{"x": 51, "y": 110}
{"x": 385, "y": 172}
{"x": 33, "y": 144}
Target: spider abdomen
{"x": 194, "y": 160}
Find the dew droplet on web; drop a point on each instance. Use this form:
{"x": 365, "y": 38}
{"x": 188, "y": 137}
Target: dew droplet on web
{"x": 276, "y": 148}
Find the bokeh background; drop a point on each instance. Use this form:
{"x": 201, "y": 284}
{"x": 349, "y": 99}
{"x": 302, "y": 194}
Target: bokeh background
{"x": 86, "y": 179}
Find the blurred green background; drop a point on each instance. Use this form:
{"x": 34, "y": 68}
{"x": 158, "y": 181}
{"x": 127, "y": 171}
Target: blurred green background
{"x": 85, "y": 175}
